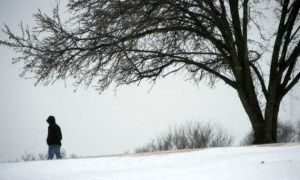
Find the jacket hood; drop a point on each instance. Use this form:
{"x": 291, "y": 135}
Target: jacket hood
{"x": 51, "y": 120}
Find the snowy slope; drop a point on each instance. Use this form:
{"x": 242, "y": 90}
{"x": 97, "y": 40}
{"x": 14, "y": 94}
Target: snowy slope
{"x": 234, "y": 163}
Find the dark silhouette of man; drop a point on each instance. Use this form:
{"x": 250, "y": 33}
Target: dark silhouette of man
{"x": 54, "y": 138}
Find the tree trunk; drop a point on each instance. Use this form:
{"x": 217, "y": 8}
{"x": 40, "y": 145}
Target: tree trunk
{"x": 272, "y": 106}
{"x": 264, "y": 121}
{"x": 259, "y": 133}
{"x": 265, "y": 130}
{"x": 255, "y": 115}
{"x": 271, "y": 118}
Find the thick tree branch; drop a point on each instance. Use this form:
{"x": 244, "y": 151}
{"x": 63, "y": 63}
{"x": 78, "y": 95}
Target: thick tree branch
{"x": 291, "y": 85}
{"x": 260, "y": 78}
{"x": 288, "y": 28}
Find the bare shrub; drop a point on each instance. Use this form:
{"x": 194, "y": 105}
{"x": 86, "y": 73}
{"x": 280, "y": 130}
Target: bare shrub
{"x": 73, "y": 156}
{"x": 221, "y": 139}
{"x": 189, "y": 136}
{"x": 43, "y": 156}
{"x": 28, "y": 156}
{"x": 298, "y": 130}
{"x": 286, "y": 132}
{"x": 150, "y": 147}
{"x": 63, "y": 153}
{"x": 180, "y": 138}
{"x": 248, "y": 139}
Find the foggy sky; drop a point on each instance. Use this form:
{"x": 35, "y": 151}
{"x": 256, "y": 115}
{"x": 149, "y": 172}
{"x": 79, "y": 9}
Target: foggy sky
{"x": 115, "y": 121}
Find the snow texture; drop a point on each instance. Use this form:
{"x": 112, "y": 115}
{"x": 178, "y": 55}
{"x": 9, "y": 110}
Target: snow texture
{"x": 235, "y": 163}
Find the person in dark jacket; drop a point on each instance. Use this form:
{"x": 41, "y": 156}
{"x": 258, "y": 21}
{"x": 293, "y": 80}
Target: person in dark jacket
{"x": 54, "y": 138}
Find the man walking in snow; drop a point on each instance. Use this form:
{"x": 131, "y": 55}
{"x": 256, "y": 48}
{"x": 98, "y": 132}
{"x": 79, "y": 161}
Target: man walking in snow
{"x": 54, "y": 138}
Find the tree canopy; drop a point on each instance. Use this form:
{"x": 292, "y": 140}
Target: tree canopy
{"x": 127, "y": 41}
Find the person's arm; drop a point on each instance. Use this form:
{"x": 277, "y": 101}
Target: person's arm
{"x": 50, "y": 135}
{"x": 60, "y": 134}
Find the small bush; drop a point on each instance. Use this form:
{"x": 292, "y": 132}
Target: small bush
{"x": 248, "y": 139}
{"x": 28, "y": 156}
{"x": 189, "y": 136}
{"x": 43, "y": 156}
{"x": 298, "y": 130}
{"x": 63, "y": 153}
{"x": 73, "y": 156}
{"x": 286, "y": 132}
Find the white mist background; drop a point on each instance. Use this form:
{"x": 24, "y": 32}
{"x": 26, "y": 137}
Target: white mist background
{"x": 115, "y": 121}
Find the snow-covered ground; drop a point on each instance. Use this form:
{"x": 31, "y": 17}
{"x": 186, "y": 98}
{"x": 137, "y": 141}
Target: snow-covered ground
{"x": 235, "y": 163}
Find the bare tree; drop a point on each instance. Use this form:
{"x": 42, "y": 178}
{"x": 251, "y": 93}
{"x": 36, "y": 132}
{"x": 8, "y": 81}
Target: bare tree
{"x": 127, "y": 41}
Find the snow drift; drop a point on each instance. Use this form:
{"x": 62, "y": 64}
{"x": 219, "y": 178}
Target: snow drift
{"x": 235, "y": 163}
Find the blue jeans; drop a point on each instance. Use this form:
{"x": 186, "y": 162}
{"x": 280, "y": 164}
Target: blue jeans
{"x": 54, "y": 149}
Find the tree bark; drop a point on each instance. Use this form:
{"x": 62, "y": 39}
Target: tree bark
{"x": 255, "y": 117}
{"x": 264, "y": 127}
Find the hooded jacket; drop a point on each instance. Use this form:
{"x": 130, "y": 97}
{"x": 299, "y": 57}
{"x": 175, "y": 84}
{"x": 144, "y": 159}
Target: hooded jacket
{"x": 54, "y": 133}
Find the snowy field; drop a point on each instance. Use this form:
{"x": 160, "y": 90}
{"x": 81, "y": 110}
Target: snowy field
{"x": 235, "y": 163}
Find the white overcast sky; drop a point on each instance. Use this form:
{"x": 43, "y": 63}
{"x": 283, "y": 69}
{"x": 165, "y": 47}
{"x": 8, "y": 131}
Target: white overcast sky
{"x": 113, "y": 122}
